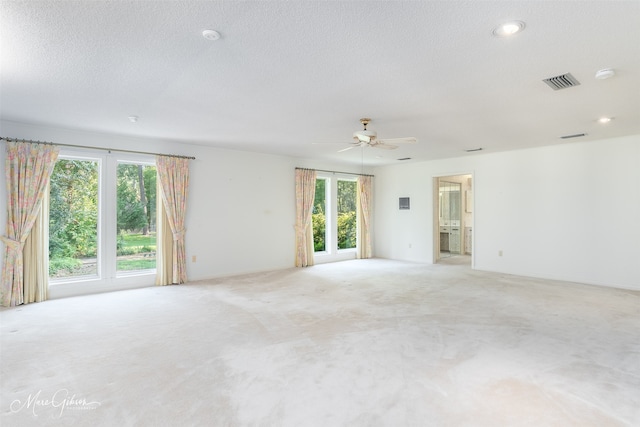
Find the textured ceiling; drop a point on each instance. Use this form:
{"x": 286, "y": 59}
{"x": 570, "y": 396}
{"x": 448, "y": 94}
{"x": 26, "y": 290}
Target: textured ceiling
{"x": 295, "y": 77}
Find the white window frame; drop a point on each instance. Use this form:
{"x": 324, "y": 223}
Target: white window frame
{"x": 327, "y": 217}
{"x": 70, "y": 155}
{"x": 331, "y": 252}
{"x": 107, "y": 279}
{"x": 128, "y": 273}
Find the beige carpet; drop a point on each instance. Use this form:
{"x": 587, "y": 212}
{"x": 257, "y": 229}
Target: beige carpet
{"x": 356, "y": 343}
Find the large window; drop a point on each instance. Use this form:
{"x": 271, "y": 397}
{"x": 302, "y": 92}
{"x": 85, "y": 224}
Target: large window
{"x": 73, "y": 218}
{"x": 136, "y": 223}
{"x": 319, "y": 217}
{"x": 334, "y": 215}
{"x": 347, "y": 214}
{"x": 102, "y": 218}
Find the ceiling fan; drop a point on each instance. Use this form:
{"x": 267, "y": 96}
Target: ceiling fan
{"x": 369, "y": 138}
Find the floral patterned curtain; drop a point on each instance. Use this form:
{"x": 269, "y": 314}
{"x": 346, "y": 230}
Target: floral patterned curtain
{"x": 173, "y": 173}
{"x": 364, "y": 220}
{"x": 305, "y": 195}
{"x": 28, "y": 170}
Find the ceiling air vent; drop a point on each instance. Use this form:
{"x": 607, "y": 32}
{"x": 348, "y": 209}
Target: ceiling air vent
{"x": 575, "y": 135}
{"x": 563, "y": 81}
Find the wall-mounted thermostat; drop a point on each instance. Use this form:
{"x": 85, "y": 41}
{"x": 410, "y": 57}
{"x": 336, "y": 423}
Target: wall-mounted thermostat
{"x": 404, "y": 203}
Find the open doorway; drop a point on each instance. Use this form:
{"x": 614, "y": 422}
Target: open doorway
{"x": 453, "y": 219}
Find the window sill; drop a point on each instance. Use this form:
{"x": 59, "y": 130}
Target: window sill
{"x": 89, "y": 286}
{"x": 88, "y": 279}
{"x": 340, "y": 255}
{"x": 134, "y": 273}
{"x": 72, "y": 280}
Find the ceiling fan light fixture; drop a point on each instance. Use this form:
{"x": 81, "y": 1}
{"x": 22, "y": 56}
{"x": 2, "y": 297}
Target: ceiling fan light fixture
{"x": 364, "y": 135}
{"x": 369, "y": 138}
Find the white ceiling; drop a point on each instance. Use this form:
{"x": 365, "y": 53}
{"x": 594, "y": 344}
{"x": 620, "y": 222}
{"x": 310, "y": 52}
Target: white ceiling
{"x": 295, "y": 77}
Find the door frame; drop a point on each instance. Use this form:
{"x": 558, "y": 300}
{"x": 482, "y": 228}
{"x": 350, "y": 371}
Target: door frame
{"x": 436, "y": 215}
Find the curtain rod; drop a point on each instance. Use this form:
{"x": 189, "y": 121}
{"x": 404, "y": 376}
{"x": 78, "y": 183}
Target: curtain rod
{"x": 346, "y": 173}
{"x": 95, "y": 148}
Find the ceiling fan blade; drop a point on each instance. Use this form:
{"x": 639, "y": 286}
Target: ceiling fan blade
{"x": 383, "y": 146}
{"x": 409, "y": 140}
{"x": 347, "y": 149}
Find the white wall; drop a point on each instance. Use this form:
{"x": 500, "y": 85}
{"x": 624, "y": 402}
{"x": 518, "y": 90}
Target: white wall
{"x": 568, "y": 212}
{"x": 241, "y": 213}
{"x": 240, "y": 209}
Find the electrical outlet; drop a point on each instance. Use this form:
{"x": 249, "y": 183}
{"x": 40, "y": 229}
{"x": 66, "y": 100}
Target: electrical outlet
{"x": 193, "y": 258}
{"x": 500, "y": 253}
{"x": 409, "y": 245}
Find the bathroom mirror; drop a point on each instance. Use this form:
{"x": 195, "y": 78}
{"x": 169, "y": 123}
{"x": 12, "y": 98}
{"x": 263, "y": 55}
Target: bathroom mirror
{"x": 450, "y": 217}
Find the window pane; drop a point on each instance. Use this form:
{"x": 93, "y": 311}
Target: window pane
{"x": 318, "y": 217}
{"x": 73, "y": 219}
{"x": 136, "y": 225}
{"x": 347, "y": 214}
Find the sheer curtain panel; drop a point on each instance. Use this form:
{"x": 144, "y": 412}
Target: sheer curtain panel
{"x": 36, "y": 256}
{"x": 364, "y": 214}
{"x": 28, "y": 170}
{"x": 305, "y": 195}
{"x": 173, "y": 174}
{"x": 164, "y": 244}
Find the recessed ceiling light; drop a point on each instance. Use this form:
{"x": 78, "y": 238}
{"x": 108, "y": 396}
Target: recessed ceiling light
{"x": 605, "y": 120}
{"x": 508, "y": 29}
{"x": 211, "y": 35}
{"x": 607, "y": 73}
{"x": 133, "y": 119}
